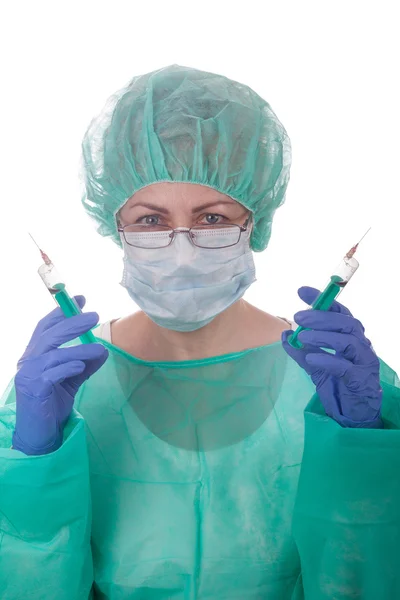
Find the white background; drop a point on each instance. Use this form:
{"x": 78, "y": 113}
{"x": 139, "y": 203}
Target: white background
{"x": 328, "y": 69}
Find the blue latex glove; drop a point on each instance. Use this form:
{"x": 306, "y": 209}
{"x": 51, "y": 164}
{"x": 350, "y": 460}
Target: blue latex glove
{"x": 49, "y": 377}
{"x": 347, "y": 382}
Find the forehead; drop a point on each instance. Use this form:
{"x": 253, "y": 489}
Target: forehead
{"x": 176, "y": 194}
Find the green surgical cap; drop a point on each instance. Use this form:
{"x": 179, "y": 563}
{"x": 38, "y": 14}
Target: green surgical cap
{"x": 179, "y": 124}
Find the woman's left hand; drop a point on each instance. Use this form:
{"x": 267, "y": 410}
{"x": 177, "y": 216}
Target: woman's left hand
{"x": 347, "y": 382}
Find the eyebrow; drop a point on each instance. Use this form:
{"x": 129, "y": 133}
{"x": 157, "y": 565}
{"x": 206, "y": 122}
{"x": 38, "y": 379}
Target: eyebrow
{"x": 165, "y": 211}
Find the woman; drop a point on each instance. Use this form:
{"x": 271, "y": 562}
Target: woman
{"x": 183, "y": 471}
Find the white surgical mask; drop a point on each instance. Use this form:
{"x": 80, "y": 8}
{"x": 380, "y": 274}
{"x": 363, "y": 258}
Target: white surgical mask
{"x": 184, "y": 287}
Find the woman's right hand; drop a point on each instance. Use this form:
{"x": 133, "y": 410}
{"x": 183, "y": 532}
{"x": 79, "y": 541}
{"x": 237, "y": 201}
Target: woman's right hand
{"x": 49, "y": 377}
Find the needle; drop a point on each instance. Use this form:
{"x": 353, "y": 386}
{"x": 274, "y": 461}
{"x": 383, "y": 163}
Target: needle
{"x": 43, "y": 255}
{"x": 352, "y": 250}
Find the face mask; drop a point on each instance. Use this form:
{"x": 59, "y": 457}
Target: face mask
{"x": 184, "y": 287}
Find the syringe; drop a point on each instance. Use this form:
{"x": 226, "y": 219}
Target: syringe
{"x": 56, "y": 287}
{"x": 341, "y": 277}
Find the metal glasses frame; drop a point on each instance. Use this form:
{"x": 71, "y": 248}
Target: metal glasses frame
{"x": 188, "y": 230}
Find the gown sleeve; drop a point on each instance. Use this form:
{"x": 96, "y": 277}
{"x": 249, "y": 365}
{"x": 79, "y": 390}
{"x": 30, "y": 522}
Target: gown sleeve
{"x": 45, "y": 516}
{"x": 347, "y": 514}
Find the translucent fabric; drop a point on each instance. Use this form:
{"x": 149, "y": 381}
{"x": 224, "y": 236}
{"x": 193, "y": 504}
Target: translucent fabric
{"x": 181, "y": 482}
{"x": 185, "y": 125}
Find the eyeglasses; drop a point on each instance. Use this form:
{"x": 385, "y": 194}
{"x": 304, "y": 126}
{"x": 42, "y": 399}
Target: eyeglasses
{"x": 161, "y": 236}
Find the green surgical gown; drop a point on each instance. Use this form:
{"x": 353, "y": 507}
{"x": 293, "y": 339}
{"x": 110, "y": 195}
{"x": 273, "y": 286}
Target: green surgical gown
{"x": 216, "y": 479}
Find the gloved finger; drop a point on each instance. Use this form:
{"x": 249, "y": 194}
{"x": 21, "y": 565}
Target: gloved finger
{"x": 29, "y": 378}
{"x": 353, "y": 376}
{"x": 65, "y": 331}
{"x": 42, "y": 385}
{"x": 362, "y": 381}
{"x": 298, "y": 354}
{"x": 320, "y": 320}
{"x": 293, "y": 352}
{"x": 48, "y": 321}
{"x": 339, "y": 367}
{"x": 92, "y": 365}
{"x": 348, "y": 346}
{"x": 60, "y": 356}
{"x": 285, "y": 337}
{"x": 60, "y": 373}
{"x": 93, "y": 356}
{"x": 309, "y": 294}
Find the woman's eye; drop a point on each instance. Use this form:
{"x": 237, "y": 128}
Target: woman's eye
{"x": 149, "y": 220}
{"x": 212, "y": 219}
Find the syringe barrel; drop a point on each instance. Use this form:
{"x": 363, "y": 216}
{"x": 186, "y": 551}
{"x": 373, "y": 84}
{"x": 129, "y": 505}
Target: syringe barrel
{"x": 50, "y": 277}
{"x": 346, "y": 269}
{"x": 339, "y": 279}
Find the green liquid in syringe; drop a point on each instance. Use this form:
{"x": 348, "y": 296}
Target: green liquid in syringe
{"x": 66, "y": 303}
{"x": 70, "y": 309}
{"x": 325, "y": 299}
